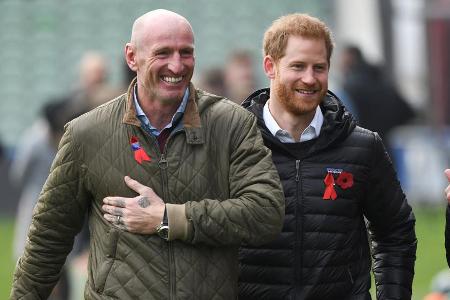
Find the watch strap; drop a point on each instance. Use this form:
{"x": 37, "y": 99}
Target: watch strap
{"x": 163, "y": 228}
{"x": 165, "y": 220}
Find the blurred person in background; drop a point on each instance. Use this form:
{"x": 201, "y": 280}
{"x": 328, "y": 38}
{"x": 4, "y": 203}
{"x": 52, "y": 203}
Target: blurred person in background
{"x": 377, "y": 101}
{"x": 3, "y": 160}
{"x": 33, "y": 158}
{"x": 10, "y": 192}
{"x": 440, "y": 286}
{"x": 92, "y": 88}
{"x": 37, "y": 149}
{"x": 335, "y": 175}
{"x": 200, "y": 153}
{"x": 34, "y": 155}
{"x": 239, "y": 75}
{"x": 2, "y": 151}
{"x": 212, "y": 80}
{"x": 435, "y": 296}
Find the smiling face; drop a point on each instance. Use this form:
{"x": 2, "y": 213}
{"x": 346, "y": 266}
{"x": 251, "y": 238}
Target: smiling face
{"x": 163, "y": 58}
{"x": 299, "y": 79}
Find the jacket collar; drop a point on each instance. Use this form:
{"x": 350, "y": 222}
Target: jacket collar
{"x": 191, "y": 118}
{"x": 338, "y": 122}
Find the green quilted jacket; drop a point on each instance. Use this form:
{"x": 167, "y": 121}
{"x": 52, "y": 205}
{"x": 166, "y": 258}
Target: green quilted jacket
{"x": 215, "y": 173}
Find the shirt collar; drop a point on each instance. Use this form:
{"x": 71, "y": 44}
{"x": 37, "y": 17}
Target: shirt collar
{"x": 176, "y": 117}
{"x": 312, "y": 131}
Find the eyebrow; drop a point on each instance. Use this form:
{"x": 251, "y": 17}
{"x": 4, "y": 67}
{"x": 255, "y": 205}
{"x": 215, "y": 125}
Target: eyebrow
{"x": 161, "y": 49}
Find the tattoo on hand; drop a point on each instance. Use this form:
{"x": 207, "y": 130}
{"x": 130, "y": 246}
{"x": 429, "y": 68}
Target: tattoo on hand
{"x": 143, "y": 202}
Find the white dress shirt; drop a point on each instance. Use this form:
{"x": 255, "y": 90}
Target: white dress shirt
{"x": 312, "y": 131}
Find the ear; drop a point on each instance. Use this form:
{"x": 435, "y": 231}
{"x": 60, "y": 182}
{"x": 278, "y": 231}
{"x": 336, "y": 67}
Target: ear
{"x": 130, "y": 56}
{"x": 269, "y": 66}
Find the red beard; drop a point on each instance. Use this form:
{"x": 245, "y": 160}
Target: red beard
{"x": 291, "y": 102}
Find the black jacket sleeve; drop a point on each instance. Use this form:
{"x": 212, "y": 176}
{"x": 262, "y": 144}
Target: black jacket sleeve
{"x": 391, "y": 224}
{"x": 447, "y": 235}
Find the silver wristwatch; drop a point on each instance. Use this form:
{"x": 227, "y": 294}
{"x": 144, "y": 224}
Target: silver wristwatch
{"x": 163, "y": 229}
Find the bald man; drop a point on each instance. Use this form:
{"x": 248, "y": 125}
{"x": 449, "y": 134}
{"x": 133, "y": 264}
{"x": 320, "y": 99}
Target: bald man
{"x": 173, "y": 179}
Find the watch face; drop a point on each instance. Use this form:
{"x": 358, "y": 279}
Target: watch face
{"x": 163, "y": 232}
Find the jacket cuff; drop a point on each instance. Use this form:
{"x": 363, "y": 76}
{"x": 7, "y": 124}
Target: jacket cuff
{"x": 178, "y": 223}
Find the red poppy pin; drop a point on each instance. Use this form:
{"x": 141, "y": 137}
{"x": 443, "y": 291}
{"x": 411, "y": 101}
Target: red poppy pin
{"x": 344, "y": 180}
{"x": 139, "y": 153}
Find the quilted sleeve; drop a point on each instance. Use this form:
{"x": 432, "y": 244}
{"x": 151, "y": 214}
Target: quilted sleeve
{"x": 254, "y": 213}
{"x": 57, "y": 218}
{"x": 391, "y": 227}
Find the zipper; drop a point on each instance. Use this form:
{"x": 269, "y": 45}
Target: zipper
{"x": 163, "y": 164}
{"x": 298, "y": 229}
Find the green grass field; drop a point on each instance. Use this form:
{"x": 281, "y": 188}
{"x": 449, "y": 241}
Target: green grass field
{"x": 6, "y": 262}
{"x": 430, "y": 251}
{"x": 430, "y": 226}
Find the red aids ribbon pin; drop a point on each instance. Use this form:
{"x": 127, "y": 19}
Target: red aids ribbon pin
{"x": 330, "y": 193}
{"x": 139, "y": 153}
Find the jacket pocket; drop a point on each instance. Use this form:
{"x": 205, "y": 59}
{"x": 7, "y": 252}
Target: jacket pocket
{"x": 104, "y": 269}
{"x": 102, "y": 275}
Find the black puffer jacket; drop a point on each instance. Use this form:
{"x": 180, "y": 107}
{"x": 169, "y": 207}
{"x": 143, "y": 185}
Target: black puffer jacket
{"x": 447, "y": 234}
{"x": 323, "y": 251}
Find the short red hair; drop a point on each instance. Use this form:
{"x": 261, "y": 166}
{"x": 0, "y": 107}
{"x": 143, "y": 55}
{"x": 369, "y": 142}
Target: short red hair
{"x": 277, "y": 35}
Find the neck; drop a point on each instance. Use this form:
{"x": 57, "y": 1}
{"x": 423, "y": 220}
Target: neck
{"x": 159, "y": 115}
{"x": 158, "y": 112}
{"x": 292, "y": 123}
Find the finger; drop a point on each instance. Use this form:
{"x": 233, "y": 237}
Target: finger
{"x": 115, "y": 201}
{"x": 113, "y": 210}
{"x": 121, "y": 226}
{"x": 118, "y": 212}
{"x": 447, "y": 173}
{"x": 135, "y": 185}
{"x": 447, "y": 193}
{"x": 110, "y": 218}
{"x": 114, "y": 221}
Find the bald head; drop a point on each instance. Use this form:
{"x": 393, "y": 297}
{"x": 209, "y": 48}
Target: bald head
{"x": 157, "y": 19}
{"x": 161, "y": 52}
{"x": 93, "y": 69}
